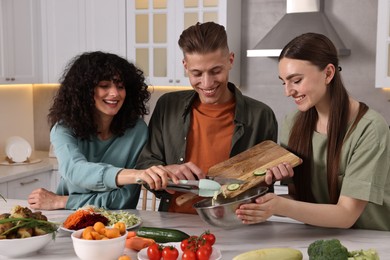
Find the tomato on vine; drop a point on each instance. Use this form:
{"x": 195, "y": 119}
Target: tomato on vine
{"x": 203, "y": 252}
{"x": 209, "y": 237}
{"x": 189, "y": 243}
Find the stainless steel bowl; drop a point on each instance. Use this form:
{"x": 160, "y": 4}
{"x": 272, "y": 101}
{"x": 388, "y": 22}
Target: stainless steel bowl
{"x": 221, "y": 212}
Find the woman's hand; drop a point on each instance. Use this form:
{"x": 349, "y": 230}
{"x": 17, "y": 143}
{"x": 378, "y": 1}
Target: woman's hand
{"x": 46, "y": 200}
{"x": 157, "y": 177}
{"x": 279, "y": 172}
{"x": 260, "y": 211}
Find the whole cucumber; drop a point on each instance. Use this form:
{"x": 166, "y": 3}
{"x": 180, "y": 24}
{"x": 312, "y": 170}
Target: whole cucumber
{"x": 162, "y": 235}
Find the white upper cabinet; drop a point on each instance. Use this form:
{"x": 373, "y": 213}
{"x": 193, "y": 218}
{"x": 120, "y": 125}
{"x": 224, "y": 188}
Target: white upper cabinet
{"x": 154, "y": 27}
{"x": 382, "y": 71}
{"x": 71, "y": 27}
{"x": 19, "y": 42}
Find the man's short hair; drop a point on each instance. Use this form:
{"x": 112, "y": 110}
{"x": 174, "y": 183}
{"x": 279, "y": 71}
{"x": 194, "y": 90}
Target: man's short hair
{"x": 203, "y": 38}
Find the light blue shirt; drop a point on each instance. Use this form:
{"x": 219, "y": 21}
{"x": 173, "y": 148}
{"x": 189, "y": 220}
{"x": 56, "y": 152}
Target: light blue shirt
{"x": 89, "y": 168}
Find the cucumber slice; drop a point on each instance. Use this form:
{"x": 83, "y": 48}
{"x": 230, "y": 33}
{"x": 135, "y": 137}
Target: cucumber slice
{"x": 260, "y": 172}
{"x": 233, "y": 186}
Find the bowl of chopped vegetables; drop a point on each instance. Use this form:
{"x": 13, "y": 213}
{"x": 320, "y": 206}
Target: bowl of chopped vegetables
{"x": 23, "y": 232}
{"x": 221, "y": 212}
{"x": 99, "y": 242}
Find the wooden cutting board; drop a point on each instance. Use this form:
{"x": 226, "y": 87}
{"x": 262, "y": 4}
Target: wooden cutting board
{"x": 242, "y": 166}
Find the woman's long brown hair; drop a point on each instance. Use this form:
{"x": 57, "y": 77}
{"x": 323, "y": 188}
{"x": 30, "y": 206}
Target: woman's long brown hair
{"x": 320, "y": 51}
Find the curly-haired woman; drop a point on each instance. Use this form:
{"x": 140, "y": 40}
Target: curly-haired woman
{"x": 97, "y": 133}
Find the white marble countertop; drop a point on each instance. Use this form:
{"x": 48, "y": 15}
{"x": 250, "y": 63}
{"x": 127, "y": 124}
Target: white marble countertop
{"x": 13, "y": 172}
{"x": 279, "y": 232}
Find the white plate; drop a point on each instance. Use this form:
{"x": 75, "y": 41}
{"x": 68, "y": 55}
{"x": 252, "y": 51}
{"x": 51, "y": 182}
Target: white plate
{"x": 17, "y": 149}
{"x": 143, "y": 255}
{"x": 134, "y": 226}
{"x": 66, "y": 229}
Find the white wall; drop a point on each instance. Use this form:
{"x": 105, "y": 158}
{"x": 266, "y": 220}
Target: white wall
{"x": 16, "y": 116}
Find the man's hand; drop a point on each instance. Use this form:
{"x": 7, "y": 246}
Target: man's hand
{"x": 186, "y": 171}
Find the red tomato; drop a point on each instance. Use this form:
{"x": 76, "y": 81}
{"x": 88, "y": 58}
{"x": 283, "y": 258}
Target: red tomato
{"x": 154, "y": 252}
{"x": 206, "y": 247}
{"x": 188, "y": 255}
{"x": 189, "y": 243}
{"x": 209, "y": 237}
{"x": 203, "y": 252}
{"x": 170, "y": 253}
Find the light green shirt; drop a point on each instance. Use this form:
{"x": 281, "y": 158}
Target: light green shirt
{"x": 89, "y": 168}
{"x": 364, "y": 168}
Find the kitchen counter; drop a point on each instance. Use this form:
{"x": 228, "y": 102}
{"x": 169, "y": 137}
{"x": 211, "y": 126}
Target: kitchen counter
{"x": 13, "y": 172}
{"x": 278, "y": 232}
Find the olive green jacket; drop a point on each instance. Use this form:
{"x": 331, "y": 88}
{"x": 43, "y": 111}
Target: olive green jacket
{"x": 168, "y": 127}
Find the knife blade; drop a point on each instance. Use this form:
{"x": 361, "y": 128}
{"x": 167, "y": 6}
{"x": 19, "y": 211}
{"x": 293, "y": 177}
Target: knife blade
{"x": 223, "y": 181}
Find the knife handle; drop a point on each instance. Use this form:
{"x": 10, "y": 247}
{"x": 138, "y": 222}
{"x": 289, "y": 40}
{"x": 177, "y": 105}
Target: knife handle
{"x": 184, "y": 198}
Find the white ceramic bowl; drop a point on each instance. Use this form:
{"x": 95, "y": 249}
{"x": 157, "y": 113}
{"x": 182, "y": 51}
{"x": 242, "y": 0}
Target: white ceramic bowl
{"x": 17, "y": 149}
{"x": 98, "y": 249}
{"x": 23, "y": 246}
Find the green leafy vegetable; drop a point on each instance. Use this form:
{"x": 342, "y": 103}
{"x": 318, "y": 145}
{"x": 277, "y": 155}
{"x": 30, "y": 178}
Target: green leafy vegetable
{"x": 370, "y": 254}
{"x": 332, "y": 249}
{"x": 17, "y": 223}
{"x": 119, "y": 216}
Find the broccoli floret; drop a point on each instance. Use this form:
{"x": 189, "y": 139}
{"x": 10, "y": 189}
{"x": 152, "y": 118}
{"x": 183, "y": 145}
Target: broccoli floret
{"x": 370, "y": 254}
{"x": 330, "y": 249}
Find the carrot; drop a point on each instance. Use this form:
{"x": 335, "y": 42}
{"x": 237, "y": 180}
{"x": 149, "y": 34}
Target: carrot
{"x": 138, "y": 243}
{"x": 131, "y": 234}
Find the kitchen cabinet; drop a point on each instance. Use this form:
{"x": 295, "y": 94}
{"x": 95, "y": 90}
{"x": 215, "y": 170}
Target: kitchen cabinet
{"x": 3, "y": 190}
{"x": 71, "y": 27}
{"x": 19, "y": 42}
{"x": 382, "y": 71}
{"x": 154, "y": 27}
{"x": 22, "y": 187}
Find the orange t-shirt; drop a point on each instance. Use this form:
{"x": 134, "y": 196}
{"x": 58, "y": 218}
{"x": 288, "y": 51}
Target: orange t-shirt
{"x": 209, "y": 141}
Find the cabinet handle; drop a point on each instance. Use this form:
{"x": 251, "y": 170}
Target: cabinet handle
{"x": 9, "y": 79}
{"x": 28, "y": 182}
{"x": 170, "y": 81}
{"x": 178, "y": 81}
{"x": 12, "y": 79}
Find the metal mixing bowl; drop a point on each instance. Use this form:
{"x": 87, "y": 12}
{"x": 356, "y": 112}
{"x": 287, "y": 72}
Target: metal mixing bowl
{"x": 221, "y": 212}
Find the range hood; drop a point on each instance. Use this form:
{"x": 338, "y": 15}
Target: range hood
{"x": 302, "y": 16}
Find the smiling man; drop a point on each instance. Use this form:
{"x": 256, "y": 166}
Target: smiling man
{"x": 190, "y": 131}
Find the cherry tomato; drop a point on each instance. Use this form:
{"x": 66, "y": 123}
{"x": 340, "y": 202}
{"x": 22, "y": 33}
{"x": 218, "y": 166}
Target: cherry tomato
{"x": 154, "y": 252}
{"x": 209, "y": 237}
{"x": 188, "y": 255}
{"x": 189, "y": 243}
{"x": 206, "y": 247}
{"x": 170, "y": 253}
{"x": 203, "y": 253}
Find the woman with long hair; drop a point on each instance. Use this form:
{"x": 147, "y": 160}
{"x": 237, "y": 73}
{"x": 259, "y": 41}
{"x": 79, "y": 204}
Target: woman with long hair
{"x": 344, "y": 180}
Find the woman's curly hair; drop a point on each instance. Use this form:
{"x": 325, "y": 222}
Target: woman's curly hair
{"x": 74, "y": 104}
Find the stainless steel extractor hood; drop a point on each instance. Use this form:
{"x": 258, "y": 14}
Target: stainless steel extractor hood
{"x": 302, "y": 16}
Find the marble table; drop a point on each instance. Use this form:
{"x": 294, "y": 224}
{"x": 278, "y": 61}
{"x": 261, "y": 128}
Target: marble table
{"x": 278, "y": 232}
